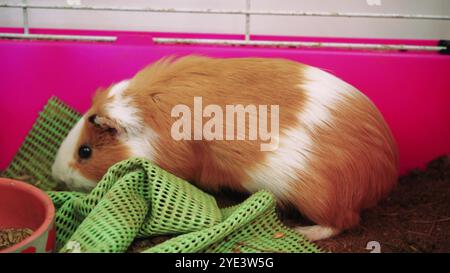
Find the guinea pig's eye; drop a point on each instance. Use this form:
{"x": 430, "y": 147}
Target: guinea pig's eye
{"x": 85, "y": 151}
{"x": 92, "y": 118}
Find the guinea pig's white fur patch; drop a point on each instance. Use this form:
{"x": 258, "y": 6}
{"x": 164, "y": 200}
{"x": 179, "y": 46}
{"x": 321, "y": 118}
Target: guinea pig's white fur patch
{"x": 118, "y": 88}
{"x": 316, "y": 232}
{"x": 281, "y": 167}
{"x": 138, "y": 138}
{"x": 141, "y": 145}
{"x": 61, "y": 169}
{"x": 122, "y": 110}
{"x": 323, "y": 92}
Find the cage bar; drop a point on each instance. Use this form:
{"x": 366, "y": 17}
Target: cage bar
{"x": 58, "y": 37}
{"x": 295, "y": 44}
{"x": 26, "y": 29}
{"x": 235, "y": 12}
{"x": 247, "y": 20}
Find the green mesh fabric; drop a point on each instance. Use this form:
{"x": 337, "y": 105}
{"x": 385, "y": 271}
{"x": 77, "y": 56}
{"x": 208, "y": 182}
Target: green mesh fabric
{"x": 36, "y": 155}
{"x": 134, "y": 199}
{"x": 250, "y": 227}
{"x": 137, "y": 199}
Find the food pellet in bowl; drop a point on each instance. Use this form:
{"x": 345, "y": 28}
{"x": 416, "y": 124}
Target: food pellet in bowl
{"x": 12, "y": 236}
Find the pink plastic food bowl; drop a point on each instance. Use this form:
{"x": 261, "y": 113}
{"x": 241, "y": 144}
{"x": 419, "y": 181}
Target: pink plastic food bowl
{"x": 25, "y": 206}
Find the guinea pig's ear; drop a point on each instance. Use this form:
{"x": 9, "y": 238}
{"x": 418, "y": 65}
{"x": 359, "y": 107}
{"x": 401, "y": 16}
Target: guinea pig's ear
{"x": 107, "y": 124}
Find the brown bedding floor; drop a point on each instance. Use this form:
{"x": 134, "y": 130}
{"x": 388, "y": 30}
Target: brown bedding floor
{"x": 415, "y": 217}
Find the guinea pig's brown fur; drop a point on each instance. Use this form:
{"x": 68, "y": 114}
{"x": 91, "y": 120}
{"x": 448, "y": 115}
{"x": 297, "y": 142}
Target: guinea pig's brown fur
{"x": 336, "y": 155}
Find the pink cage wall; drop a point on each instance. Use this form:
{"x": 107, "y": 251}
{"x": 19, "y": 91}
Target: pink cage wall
{"x": 411, "y": 89}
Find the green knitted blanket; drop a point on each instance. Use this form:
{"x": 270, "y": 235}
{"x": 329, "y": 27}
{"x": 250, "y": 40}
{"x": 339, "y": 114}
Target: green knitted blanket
{"x": 137, "y": 199}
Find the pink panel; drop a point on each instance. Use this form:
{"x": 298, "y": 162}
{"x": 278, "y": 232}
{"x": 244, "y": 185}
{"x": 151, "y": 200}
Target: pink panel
{"x": 412, "y": 90}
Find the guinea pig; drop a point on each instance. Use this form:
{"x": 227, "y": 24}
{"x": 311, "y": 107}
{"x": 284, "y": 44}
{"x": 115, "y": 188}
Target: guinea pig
{"x": 333, "y": 157}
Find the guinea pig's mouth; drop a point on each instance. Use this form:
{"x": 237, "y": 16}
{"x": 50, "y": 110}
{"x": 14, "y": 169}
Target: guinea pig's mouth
{"x": 71, "y": 186}
{"x": 74, "y": 181}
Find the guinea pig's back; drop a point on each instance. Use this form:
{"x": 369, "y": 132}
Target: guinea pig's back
{"x": 335, "y": 153}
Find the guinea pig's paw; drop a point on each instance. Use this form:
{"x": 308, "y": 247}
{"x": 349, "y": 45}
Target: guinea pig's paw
{"x": 316, "y": 233}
